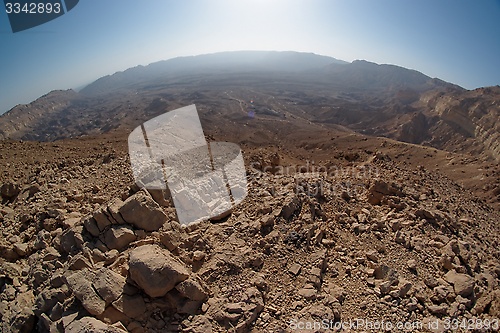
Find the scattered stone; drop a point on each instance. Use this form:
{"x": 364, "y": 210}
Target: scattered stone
{"x": 71, "y": 241}
{"x": 113, "y": 209}
{"x": 396, "y": 225}
{"x": 385, "y": 287}
{"x": 431, "y": 282}
{"x": 222, "y": 215}
{"x": 171, "y": 240}
{"x": 379, "y": 189}
{"x": 51, "y": 254}
{"x": 292, "y": 242}
{"x": 71, "y": 222}
{"x": 404, "y": 288}
{"x": 198, "y": 256}
{"x": 412, "y": 264}
{"x": 21, "y": 249}
{"x": 372, "y": 255}
{"x": 295, "y": 269}
{"x": 235, "y": 307}
{"x": 290, "y": 205}
{"x": 24, "y": 321}
{"x": 101, "y": 219}
{"x": 267, "y": 221}
{"x": 90, "y": 225}
{"x": 308, "y": 292}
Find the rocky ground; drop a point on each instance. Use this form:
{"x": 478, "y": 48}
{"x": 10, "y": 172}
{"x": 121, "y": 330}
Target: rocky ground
{"x": 84, "y": 250}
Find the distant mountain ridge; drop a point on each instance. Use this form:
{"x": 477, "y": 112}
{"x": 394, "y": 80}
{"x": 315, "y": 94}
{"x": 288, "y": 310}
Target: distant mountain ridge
{"x": 233, "y": 62}
{"x": 362, "y": 74}
{"x": 359, "y": 74}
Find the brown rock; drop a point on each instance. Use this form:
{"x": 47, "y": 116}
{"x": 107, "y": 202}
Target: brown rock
{"x": 198, "y": 255}
{"x": 131, "y": 306}
{"x": 51, "y": 254}
{"x": 308, "y": 292}
{"x": 24, "y": 321}
{"x": 170, "y": 239}
{"x": 119, "y": 236}
{"x": 101, "y": 218}
{"x": 79, "y": 262}
{"x": 411, "y": 264}
{"x": 112, "y": 315}
{"x": 9, "y": 190}
{"x": 89, "y": 324}
{"x": 109, "y": 285}
{"x": 267, "y": 220}
{"x": 441, "y": 309}
{"x": 491, "y": 301}
{"x": 404, "y": 288}
{"x": 71, "y": 240}
{"x": 295, "y": 269}
{"x": 291, "y": 204}
{"x": 21, "y": 249}
{"x": 81, "y": 286}
{"x": 113, "y": 211}
{"x": 235, "y": 307}
{"x": 222, "y": 215}
{"x": 155, "y": 270}
{"x": 372, "y": 255}
{"x": 463, "y": 284}
{"x": 193, "y": 288}
{"x": 431, "y": 282}
{"x": 90, "y": 225}
{"x": 143, "y": 212}
{"x": 71, "y": 222}
{"x": 200, "y": 324}
{"x": 379, "y": 189}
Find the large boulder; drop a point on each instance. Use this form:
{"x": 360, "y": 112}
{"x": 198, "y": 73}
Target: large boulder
{"x": 155, "y": 270}
{"x": 143, "y": 212}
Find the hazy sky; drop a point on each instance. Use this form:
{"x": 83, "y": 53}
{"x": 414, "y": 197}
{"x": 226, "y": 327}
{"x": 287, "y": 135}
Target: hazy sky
{"x": 455, "y": 40}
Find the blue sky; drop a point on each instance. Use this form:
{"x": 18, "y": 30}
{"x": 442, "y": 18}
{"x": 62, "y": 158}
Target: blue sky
{"x": 455, "y": 40}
